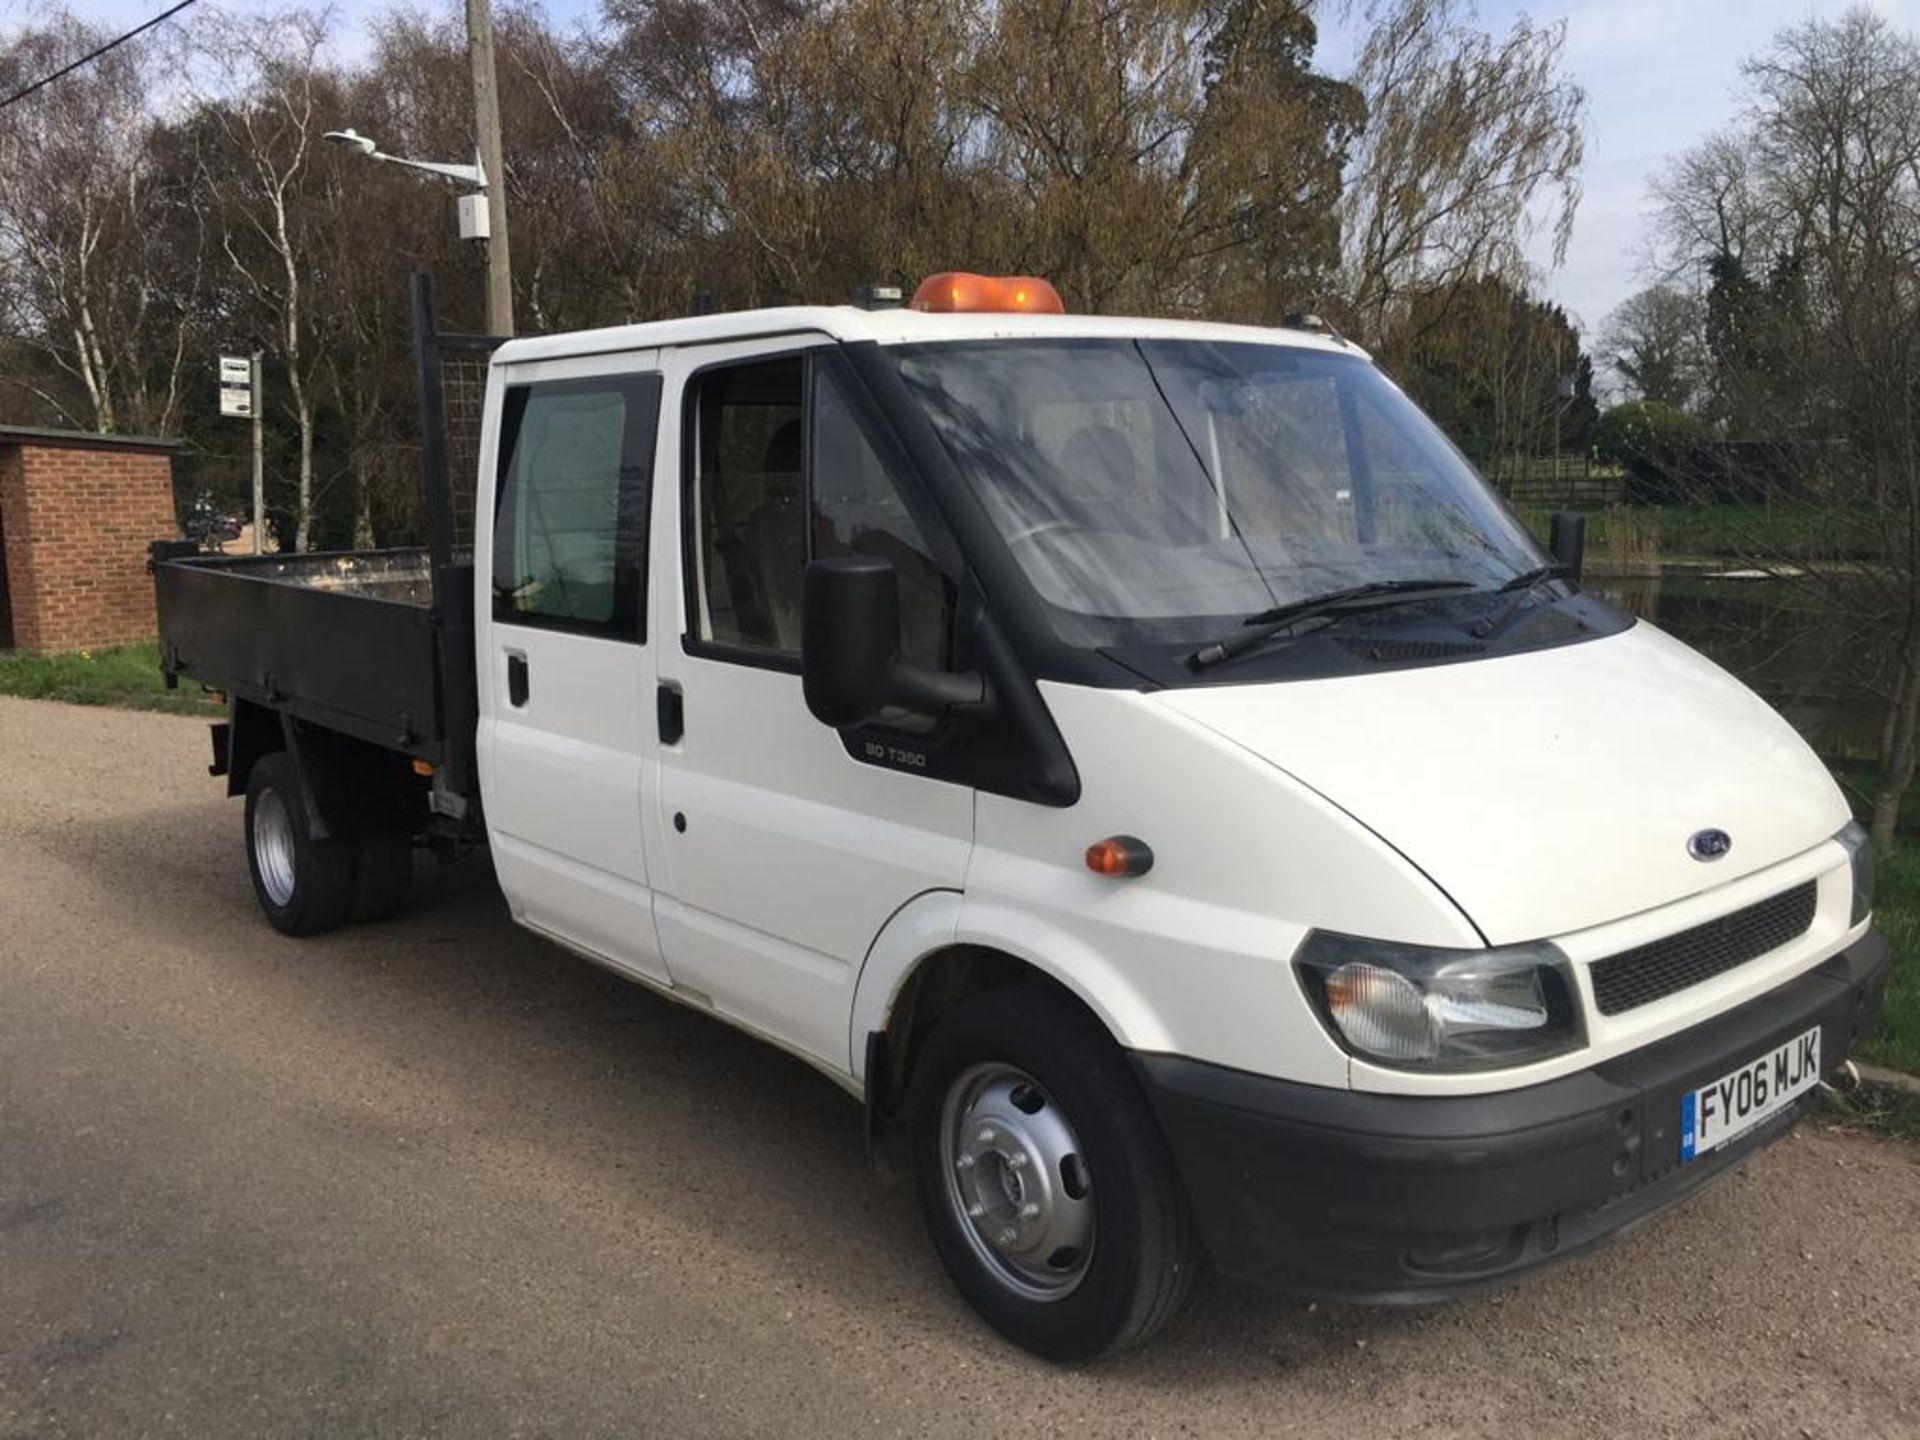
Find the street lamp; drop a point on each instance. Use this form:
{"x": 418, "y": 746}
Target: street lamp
{"x": 472, "y": 174}
{"x": 475, "y": 215}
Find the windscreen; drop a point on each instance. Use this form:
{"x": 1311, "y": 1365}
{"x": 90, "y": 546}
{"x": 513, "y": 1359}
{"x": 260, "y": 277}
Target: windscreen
{"x": 1151, "y": 490}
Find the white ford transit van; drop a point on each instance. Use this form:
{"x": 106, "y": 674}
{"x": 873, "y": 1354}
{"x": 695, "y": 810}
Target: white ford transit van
{"x": 1139, "y": 759}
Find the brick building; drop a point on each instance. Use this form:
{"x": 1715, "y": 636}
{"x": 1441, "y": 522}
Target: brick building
{"x": 76, "y": 513}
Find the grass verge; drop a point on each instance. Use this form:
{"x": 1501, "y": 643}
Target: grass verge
{"x": 1896, "y": 911}
{"x": 126, "y": 676}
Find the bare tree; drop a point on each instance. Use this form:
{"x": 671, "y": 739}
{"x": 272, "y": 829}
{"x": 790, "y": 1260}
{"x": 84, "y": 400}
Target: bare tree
{"x": 1804, "y": 227}
{"x": 258, "y": 165}
{"x": 87, "y": 281}
{"x": 1159, "y": 156}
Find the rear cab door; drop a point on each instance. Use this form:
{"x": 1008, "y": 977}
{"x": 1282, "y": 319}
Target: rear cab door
{"x": 564, "y": 649}
{"x": 784, "y": 848}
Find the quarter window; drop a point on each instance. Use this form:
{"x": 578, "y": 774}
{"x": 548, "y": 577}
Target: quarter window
{"x": 775, "y": 486}
{"x": 570, "y": 511}
{"x": 749, "y": 504}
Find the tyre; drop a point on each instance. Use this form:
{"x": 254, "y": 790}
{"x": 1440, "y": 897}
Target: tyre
{"x": 1047, "y": 1188}
{"x": 382, "y": 872}
{"x": 305, "y": 885}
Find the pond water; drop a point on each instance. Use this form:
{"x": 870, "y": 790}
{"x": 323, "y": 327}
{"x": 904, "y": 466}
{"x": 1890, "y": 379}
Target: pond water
{"x": 1777, "y": 637}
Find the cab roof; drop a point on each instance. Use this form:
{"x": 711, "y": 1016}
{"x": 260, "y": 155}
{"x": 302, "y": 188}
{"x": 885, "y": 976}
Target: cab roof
{"x": 853, "y": 324}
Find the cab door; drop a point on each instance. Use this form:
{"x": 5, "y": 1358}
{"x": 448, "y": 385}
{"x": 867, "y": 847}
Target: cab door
{"x": 564, "y": 653}
{"x": 783, "y": 854}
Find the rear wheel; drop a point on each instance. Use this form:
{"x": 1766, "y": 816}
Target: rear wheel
{"x": 304, "y": 884}
{"x": 1047, "y": 1188}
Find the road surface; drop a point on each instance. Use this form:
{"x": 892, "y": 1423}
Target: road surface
{"x": 436, "y": 1177}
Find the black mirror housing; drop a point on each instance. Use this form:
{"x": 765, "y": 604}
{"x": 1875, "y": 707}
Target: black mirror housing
{"x": 850, "y": 665}
{"x": 1567, "y": 539}
{"x": 849, "y": 636}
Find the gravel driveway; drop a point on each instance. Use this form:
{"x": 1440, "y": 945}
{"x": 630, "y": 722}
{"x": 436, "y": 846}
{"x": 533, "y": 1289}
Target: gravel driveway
{"x": 437, "y": 1177}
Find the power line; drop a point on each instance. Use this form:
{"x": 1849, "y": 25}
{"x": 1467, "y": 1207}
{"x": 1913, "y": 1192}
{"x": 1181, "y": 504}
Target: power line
{"x": 93, "y": 55}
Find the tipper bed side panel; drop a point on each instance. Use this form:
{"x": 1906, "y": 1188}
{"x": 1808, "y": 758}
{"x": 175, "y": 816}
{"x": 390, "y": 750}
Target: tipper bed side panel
{"x": 345, "y": 641}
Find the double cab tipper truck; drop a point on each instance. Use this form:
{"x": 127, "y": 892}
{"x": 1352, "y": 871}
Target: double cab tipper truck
{"x": 1139, "y": 759}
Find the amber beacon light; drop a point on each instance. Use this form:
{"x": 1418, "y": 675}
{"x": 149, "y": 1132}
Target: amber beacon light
{"x": 955, "y": 292}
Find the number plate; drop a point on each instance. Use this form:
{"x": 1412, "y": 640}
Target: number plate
{"x": 1742, "y": 1098}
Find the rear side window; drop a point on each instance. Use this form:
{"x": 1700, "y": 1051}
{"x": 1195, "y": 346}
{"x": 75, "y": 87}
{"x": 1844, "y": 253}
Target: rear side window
{"x": 570, "y": 509}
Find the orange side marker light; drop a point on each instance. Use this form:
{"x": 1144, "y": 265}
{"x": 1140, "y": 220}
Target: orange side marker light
{"x": 1120, "y": 856}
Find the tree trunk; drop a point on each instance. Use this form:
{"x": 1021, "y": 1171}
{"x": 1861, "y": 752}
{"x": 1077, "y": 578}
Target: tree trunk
{"x": 1897, "y": 749}
{"x": 303, "y": 412}
{"x": 362, "y": 509}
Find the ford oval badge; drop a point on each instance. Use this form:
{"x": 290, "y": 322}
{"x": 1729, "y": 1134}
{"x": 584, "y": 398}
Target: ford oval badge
{"x": 1709, "y": 844}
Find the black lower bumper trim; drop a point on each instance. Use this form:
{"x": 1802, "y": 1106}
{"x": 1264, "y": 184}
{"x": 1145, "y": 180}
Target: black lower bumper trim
{"x": 1399, "y": 1199}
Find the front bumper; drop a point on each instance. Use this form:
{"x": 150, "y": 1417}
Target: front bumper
{"x": 1391, "y": 1199}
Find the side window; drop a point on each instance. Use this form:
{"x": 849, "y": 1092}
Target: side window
{"x": 774, "y": 488}
{"x": 857, "y": 509}
{"x": 570, "y": 509}
{"x": 749, "y": 505}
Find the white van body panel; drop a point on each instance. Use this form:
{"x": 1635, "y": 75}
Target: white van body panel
{"x": 940, "y": 919}
{"x": 1550, "y": 791}
{"x": 1246, "y": 860}
{"x": 850, "y": 324}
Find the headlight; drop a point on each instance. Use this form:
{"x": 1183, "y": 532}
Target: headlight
{"x": 1860, "y": 851}
{"x": 1420, "y": 1008}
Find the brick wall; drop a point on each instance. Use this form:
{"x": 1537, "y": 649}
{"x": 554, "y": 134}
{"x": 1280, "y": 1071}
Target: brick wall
{"x": 77, "y": 521}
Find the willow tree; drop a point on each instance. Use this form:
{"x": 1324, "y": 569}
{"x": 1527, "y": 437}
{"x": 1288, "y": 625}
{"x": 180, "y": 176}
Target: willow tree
{"x": 1472, "y": 147}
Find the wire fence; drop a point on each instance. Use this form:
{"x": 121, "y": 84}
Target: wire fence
{"x": 463, "y": 393}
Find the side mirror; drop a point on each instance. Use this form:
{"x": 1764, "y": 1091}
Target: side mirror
{"x": 1567, "y": 539}
{"x": 850, "y": 665}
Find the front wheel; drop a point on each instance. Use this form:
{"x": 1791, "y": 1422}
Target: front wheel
{"x": 1047, "y": 1188}
{"x": 303, "y": 883}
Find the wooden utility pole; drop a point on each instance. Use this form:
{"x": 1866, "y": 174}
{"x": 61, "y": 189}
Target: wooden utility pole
{"x": 486, "y": 125}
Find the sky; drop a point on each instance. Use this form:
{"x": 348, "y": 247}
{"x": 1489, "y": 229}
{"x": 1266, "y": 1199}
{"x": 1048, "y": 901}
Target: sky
{"x": 1659, "y": 74}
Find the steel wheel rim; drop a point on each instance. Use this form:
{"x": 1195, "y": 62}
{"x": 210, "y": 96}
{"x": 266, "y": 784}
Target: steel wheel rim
{"x": 273, "y": 846}
{"x": 1017, "y": 1181}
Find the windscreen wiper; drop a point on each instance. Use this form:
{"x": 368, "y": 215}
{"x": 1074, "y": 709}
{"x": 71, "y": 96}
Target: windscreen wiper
{"x": 1527, "y": 579}
{"x": 1519, "y": 587}
{"x": 1263, "y": 625}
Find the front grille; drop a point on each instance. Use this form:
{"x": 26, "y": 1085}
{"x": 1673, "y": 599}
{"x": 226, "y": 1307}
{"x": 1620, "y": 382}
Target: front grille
{"x": 1665, "y": 967}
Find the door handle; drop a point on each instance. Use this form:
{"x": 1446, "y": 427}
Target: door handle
{"x": 517, "y": 681}
{"x": 670, "y": 710}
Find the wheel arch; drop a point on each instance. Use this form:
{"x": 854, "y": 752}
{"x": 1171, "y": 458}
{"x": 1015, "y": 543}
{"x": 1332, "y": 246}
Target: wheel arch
{"x": 253, "y": 730}
{"x": 940, "y": 949}
{"x": 346, "y": 785}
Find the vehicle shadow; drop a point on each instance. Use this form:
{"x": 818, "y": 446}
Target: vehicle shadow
{"x": 670, "y": 1110}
